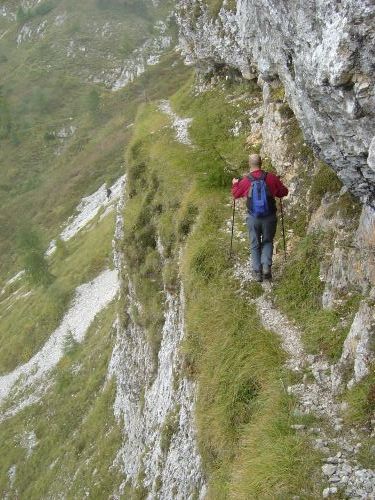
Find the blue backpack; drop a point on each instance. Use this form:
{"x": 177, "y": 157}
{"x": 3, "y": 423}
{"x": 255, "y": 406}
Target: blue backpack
{"x": 259, "y": 200}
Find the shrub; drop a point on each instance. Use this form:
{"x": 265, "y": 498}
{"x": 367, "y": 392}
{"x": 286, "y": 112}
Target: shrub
{"x": 170, "y": 427}
{"x": 24, "y": 15}
{"x": 187, "y": 219}
{"x": 5, "y": 117}
{"x": 93, "y": 101}
{"x": 43, "y": 8}
{"x": 35, "y": 263}
{"x": 70, "y": 344}
{"x": 49, "y": 136}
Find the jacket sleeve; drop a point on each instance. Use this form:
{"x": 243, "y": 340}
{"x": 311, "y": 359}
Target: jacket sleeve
{"x": 241, "y": 188}
{"x": 278, "y": 188}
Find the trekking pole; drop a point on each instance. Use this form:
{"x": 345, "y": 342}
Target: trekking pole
{"x": 283, "y": 227}
{"x": 231, "y": 240}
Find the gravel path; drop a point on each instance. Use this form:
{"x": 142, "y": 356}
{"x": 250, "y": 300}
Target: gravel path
{"x": 341, "y": 469}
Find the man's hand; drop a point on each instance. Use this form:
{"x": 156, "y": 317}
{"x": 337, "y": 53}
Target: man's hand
{"x": 234, "y": 181}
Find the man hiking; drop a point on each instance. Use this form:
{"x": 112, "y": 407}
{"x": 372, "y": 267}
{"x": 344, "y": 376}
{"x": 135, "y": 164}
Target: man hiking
{"x": 260, "y": 188}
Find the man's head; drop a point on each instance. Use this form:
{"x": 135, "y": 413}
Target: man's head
{"x": 255, "y": 162}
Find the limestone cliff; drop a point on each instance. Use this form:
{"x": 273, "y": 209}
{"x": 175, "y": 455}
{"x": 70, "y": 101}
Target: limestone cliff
{"x": 322, "y": 53}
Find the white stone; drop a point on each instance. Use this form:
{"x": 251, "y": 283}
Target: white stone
{"x": 87, "y": 210}
{"x": 90, "y": 299}
{"x": 181, "y": 125}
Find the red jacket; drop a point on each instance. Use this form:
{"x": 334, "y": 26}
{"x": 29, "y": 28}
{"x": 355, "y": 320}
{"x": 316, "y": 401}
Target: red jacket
{"x": 276, "y": 187}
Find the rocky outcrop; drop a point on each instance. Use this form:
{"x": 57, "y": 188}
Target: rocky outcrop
{"x": 154, "y": 402}
{"x": 323, "y": 54}
{"x": 357, "y": 350}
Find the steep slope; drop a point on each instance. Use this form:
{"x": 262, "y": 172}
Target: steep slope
{"x": 255, "y": 418}
{"x": 60, "y": 119}
{"x": 329, "y": 277}
{"x": 153, "y": 366}
{"x": 63, "y": 134}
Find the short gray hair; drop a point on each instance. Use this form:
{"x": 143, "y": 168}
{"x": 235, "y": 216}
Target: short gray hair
{"x": 255, "y": 160}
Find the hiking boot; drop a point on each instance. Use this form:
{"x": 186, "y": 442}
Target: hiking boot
{"x": 257, "y": 275}
{"x": 267, "y": 274}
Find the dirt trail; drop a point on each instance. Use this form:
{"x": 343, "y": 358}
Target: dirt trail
{"x": 341, "y": 468}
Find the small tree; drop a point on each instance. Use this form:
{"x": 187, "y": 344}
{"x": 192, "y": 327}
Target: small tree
{"x": 93, "y": 102}
{"x": 61, "y": 250}
{"x": 32, "y": 252}
{"x": 23, "y": 15}
{"x": 70, "y": 344}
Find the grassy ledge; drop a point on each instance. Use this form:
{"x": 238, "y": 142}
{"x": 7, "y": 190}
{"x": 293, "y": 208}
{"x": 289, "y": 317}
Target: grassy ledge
{"x": 179, "y": 193}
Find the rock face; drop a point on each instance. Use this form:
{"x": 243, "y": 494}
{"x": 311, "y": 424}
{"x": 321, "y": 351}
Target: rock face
{"x": 357, "y": 347}
{"x": 323, "y": 54}
{"x": 159, "y": 450}
{"x": 155, "y": 402}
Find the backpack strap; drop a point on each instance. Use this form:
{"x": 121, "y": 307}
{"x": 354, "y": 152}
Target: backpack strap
{"x": 261, "y": 178}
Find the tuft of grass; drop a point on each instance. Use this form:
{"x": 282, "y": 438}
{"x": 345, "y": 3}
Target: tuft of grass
{"x": 278, "y": 93}
{"x": 170, "y": 427}
{"x": 299, "y": 294}
{"x": 360, "y": 413}
{"x": 324, "y": 181}
{"x": 361, "y": 400}
{"x": 269, "y": 463}
{"x": 214, "y": 6}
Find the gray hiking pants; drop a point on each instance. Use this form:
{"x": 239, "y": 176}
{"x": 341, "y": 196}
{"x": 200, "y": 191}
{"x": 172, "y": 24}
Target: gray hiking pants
{"x": 261, "y": 232}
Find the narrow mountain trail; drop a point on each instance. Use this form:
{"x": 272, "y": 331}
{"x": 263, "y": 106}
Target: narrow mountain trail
{"x": 317, "y": 395}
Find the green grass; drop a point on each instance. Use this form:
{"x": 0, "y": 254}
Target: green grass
{"x": 243, "y": 414}
{"x": 214, "y": 6}
{"x": 180, "y": 194}
{"x": 361, "y": 400}
{"x": 299, "y": 294}
{"x": 77, "y": 437}
{"x": 325, "y": 181}
{"x": 39, "y": 188}
{"x": 360, "y": 413}
{"x": 170, "y": 427}
{"x": 26, "y": 326}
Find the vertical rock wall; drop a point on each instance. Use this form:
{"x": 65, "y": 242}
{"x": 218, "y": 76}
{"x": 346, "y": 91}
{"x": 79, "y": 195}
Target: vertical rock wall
{"x": 323, "y": 54}
{"x": 154, "y": 401}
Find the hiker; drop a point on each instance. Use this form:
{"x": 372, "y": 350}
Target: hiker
{"x": 260, "y": 188}
{"x": 109, "y": 192}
